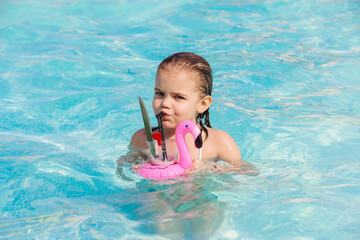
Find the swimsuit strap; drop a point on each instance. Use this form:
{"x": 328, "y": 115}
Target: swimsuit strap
{"x": 200, "y": 149}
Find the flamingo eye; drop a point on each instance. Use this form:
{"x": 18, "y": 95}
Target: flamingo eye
{"x": 187, "y": 126}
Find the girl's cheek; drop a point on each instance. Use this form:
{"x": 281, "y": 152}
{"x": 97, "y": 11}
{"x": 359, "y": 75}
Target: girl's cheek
{"x": 183, "y": 108}
{"x": 155, "y": 105}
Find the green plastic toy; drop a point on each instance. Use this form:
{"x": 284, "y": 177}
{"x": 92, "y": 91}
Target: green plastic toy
{"x": 147, "y": 125}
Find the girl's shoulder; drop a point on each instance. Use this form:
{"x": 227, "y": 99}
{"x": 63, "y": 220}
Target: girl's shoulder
{"x": 138, "y": 139}
{"x": 217, "y": 134}
{"x": 223, "y": 144}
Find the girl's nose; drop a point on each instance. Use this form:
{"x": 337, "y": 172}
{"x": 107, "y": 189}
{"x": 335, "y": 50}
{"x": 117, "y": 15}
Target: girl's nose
{"x": 166, "y": 103}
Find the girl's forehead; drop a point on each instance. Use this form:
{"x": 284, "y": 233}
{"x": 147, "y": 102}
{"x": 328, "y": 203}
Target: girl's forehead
{"x": 180, "y": 74}
{"x": 177, "y": 81}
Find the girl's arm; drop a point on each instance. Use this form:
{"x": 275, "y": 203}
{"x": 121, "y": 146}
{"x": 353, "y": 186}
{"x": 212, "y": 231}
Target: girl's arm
{"x": 137, "y": 153}
{"x": 229, "y": 152}
{"x": 139, "y": 139}
{"x": 134, "y": 155}
{"x": 227, "y": 149}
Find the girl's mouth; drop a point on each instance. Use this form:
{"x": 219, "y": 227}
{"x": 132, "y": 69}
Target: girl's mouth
{"x": 164, "y": 115}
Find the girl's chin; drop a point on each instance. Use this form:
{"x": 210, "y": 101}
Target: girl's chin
{"x": 169, "y": 126}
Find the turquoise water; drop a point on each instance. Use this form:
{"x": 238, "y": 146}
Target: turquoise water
{"x": 286, "y": 87}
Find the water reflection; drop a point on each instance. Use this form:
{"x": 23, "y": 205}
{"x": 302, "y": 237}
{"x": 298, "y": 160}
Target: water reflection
{"x": 185, "y": 207}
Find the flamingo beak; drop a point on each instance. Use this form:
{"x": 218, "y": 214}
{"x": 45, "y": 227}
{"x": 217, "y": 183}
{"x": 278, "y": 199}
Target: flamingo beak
{"x": 198, "y": 141}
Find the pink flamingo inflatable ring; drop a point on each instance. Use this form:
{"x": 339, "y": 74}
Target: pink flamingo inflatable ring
{"x": 158, "y": 172}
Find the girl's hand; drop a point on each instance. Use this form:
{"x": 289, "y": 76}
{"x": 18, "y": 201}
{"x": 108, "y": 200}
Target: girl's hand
{"x": 137, "y": 166}
{"x": 196, "y": 165}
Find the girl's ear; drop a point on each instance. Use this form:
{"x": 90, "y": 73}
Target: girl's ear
{"x": 204, "y": 104}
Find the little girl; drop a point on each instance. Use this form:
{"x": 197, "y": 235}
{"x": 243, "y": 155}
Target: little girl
{"x": 183, "y": 86}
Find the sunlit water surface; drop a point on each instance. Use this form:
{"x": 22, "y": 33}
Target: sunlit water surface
{"x": 286, "y": 88}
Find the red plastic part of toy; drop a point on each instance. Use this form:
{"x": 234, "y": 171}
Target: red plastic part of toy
{"x": 157, "y": 137}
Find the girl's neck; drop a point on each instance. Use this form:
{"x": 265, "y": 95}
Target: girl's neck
{"x": 169, "y": 133}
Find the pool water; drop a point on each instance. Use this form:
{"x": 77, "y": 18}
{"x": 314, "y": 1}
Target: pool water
{"x": 286, "y": 88}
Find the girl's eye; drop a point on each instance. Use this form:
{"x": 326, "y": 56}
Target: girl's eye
{"x": 179, "y": 97}
{"x": 159, "y": 94}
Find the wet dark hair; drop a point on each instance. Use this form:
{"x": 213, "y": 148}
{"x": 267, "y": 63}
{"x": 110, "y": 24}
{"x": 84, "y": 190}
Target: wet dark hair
{"x": 200, "y": 66}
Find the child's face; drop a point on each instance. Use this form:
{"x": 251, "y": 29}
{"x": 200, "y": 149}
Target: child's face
{"x": 176, "y": 95}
